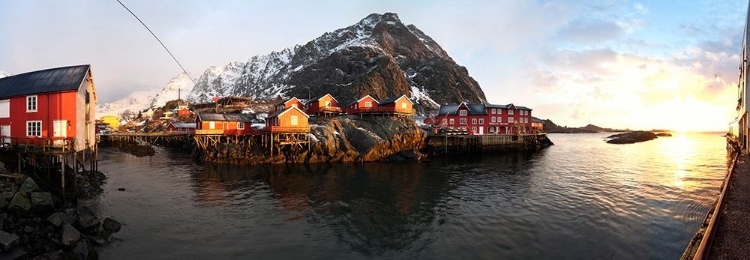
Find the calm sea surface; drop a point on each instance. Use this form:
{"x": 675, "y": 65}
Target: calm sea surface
{"x": 579, "y": 199}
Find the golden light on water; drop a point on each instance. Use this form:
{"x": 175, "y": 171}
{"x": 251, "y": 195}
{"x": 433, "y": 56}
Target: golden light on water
{"x": 678, "y": 151}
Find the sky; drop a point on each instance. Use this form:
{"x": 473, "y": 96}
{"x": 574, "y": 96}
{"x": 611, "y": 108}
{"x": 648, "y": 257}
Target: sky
{"x": 612, "y": 63}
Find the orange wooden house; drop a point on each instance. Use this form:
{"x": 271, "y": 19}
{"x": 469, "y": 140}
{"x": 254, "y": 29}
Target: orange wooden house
{"x": 289, "y": 120}
{"x": 325, "y": 105}
{"x": 291, "y": 102}
{"x": 223, "y": 124}
{"x": 397, "y": 105}
{"x": 364, "y": 104}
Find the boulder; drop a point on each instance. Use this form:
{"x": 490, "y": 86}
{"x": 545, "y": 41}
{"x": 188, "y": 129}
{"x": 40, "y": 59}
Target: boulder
{"x": 87, "y": 219}
{"x": 42, "y": 201}
{"x": 20, "y": 202}
{"x": 29, "y": 185}
{"x": 56, "y": 218}
{"x": 70, "y": 216}
{"x": 3, "y": 203}
{"x": 662, "y": 134}
{"x": 70, "y": 235}
{"x": 3, "y": 170}
{"x": 8, "y": 195}
{"x": 111, "y": 226}
{"x": 7, "y": 240}
{"x": 81, "y": 251}
{"x": 6, "y": 222}
{"x": 631, "y": 137}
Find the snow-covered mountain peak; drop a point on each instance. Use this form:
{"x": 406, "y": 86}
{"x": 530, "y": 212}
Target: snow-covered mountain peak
{"x": 177, "y": 88}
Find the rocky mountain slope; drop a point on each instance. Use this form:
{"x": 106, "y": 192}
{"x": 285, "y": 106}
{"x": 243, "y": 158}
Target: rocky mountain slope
{"x": 379, "y": 56}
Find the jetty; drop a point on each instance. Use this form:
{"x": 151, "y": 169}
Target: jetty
{"x": 458, "y": 142}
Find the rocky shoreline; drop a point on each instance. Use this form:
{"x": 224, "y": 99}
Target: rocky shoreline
{"x": 631, "y": 137}
{"x": 37, "y": 223}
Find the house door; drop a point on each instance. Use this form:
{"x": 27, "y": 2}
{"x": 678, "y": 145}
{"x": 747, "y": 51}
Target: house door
{"x": 59, "y": 129}
{"x": 5, "y": 132}
{"x": 481, "y": 130}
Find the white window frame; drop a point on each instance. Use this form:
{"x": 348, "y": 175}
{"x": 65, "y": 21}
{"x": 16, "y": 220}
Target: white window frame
{"x": 445, "y": 121}
{"x": 474, "y": 129}
{"x": 240, "y": 125}
{"x": 30, "y": 131}
{"x": 510, "y": 111}
{"x": 368, "y": 104}
{"x": 526, "y": 120}
{"x": 463, "y": 112}
{"x": 29, "y": 103}
{"x": 481, "y": 121}
{"x": 5, "y": 108}
{"x": 294, "y": 120}
{"x": 452, "y": 121}
{"x": 211, "y": 125}
{"x": 494, "y": 111}
{"x": 493, "y": 119}
{"x": 473, "y": 121}
{"x": 403, "y": 105}
{"x": 510, "y": 120}
{"x": 462, "y": 121}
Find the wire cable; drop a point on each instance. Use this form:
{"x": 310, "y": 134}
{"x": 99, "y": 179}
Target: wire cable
{"x": 157, "y": 39}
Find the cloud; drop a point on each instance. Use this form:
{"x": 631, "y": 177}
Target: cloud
{"x": 587, "y": 31}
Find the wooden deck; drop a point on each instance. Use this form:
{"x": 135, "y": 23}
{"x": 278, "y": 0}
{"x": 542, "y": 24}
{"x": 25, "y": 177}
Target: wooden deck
{"x": 49, "y": 145}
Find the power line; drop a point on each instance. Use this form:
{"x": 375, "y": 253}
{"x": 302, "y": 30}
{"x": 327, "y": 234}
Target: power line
{"x": 157, "y": 39}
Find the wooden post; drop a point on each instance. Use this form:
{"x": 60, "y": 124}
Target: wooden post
{"x": 62, "y": 175}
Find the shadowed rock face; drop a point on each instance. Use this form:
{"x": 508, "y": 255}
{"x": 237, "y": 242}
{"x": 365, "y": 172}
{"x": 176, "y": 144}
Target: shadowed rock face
{"x": 631, "y": 137}
{"x": 378, "y": 56}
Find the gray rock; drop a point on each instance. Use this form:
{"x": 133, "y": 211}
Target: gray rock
{"x": 15, "y": 253}
{"x": 20, "y": 202}
{"x": 41, "y": 200}
{"x": 70, "y": 216}
{"x": 3, "y": 203}
{"x": 70, "y": 235}
{"x": 7, "y": 240}
{"x": 6, "y": 222}
{"x": 81, "y": 251}
{"x": 3, "y": 170}
{"x": 29, "y": 185}
{"x": 111, "y": 226}
{"x": 8, "y": 195}
{"x": 56, "y": 218}
{"x": 87, "y": 219}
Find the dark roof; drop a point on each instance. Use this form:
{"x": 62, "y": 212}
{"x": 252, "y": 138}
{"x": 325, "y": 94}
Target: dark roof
{"x": 277, "y": 113}
{"x": 477, "y": 109}
{"x": 474, "y": 109}
{"x": 224, "y": 117}
{"x": 447, "y": 110}
{"x": 391, "y": 100}
{"x": 42, "y": 81}
{"x": 183, "y": 125}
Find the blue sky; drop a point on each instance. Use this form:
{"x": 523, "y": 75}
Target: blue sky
{"x": 637, "y": 64}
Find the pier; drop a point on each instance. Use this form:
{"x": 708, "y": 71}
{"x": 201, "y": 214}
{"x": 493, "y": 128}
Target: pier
{"x": 166, "y": 138}
{"x": 453, "y": 143}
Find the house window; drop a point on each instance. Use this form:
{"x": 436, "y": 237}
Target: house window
{"x": 493, "y": 119}
{"x": 474, "y": 129}
{"x": 31, "y": 103}
{"x": 211, "y": 125}
{"x": 403, "y": 105}
{"x": 526, "y": 120}
{"x": 510, "y": 120}
{"x": 328, "y": 103}
{"x": 474, "y": 121}
{"x": 368, "y": 104}
{"x": 499, "y": 119}
{"x": 494, "y": 110}
{"x": 34, "y": 128}
{"x": 481, "y": 121}
{"x": 240, "y": 125}
{"x": 5, "y": 108}
{"x": 510, "y": 111}
{"x": 462, "y": 121}
{"x": 445, "y": 121}
{"x": 294, "y": 120}
{"x": 452, "y": 122}
{"x": 463, "y": 112}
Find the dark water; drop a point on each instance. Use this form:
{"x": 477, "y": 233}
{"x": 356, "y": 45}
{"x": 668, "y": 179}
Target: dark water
{"x": 580, "y": 199}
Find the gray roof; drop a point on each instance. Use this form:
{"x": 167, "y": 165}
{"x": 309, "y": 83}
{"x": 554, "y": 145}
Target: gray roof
{"x": 183, "y": 125}
{"x": 42, "y": 81}
{"x": 391, "y": 100}
{"x": 474, "y": 109}
{"x": 224, "y": 117}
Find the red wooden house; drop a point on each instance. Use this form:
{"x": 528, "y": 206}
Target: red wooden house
{"x": 326, "y": 105}
{"x": 364, "y": 104}
{"x": 223, "y": 124}
{"x": 397, "y": 105}
{"x": 181, "y": 127}
{"x": 483, "y": 119}
{"x": 290, "y": 120}
{"x": 53, "y": 105}
{"x": 291, "y": 102}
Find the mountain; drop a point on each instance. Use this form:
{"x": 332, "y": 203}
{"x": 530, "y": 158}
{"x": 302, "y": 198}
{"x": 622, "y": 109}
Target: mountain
{"x": 177, "y": 88}
{"x": 379, "y": 56}
{"x": 4, "y": 74}
{"x": 146, "y": 98}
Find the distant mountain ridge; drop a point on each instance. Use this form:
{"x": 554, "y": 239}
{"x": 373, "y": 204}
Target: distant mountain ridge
{"x": 178, "y": 86}
{"x": 378, "y": 56}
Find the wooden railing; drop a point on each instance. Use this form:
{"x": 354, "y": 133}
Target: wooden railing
{"x": 287, "y": 129}
{"x": 45, "y": 144}
{"x": 329, "y": 109}
{"x": 386, "y": 110}
{"x": 209, "y": 131}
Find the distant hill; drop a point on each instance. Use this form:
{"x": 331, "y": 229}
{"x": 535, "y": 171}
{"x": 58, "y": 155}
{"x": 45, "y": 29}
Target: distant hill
{"x": 551, "y": 127}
